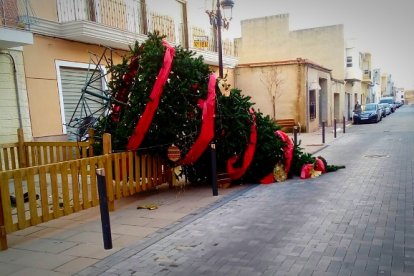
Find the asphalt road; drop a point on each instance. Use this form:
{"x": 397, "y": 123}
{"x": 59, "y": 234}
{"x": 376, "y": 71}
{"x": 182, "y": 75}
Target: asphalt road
{"x": 356, "y": 221}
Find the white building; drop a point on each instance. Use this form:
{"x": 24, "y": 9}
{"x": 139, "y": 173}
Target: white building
{"x": 376, "y": 85}
{"x": 399, "y": 95}
{"x": 353, "y": 77}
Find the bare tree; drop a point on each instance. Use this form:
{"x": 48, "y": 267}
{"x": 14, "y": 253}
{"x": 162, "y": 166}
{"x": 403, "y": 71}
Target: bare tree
{"x": 271, "y": 78}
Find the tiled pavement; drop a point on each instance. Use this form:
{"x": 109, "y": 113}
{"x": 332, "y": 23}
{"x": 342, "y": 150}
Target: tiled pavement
{"x": 72, "y": 243}
{"x": 351, "y": 221}
{"x": 357, "y": 221}
{"x": 69, "y": 244}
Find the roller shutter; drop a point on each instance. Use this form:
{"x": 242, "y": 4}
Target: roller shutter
{"x": 73, "y": 80}
{"x": 9, "y": 116}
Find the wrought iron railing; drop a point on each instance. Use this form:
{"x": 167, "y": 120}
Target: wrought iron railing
{"x": 121, "y": 14}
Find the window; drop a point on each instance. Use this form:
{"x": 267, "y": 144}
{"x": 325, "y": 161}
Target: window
{"x": 312, "y": 104}
{"x": 349, "y": 61}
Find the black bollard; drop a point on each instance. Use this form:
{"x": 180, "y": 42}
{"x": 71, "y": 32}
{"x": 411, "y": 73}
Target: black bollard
{"x": 323, "y": 132}
{"x": 103, "y": 203}
{"x": 335, "y": 128}
{"x": 295, "y": 135}
{"x": 344, "y": 123}
{"x": 213, "y": 169}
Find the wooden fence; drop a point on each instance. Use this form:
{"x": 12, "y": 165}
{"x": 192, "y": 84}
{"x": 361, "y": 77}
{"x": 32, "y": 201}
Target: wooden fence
{"x": 28, "y": 154}
{"x": 33, "y": 195}
{"x": 49, "y": 190}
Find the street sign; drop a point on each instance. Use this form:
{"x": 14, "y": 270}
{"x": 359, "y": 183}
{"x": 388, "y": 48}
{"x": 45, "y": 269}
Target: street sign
{"x": 200, "y": 41}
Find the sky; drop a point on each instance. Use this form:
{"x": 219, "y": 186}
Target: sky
{"x": 385, "y": 28}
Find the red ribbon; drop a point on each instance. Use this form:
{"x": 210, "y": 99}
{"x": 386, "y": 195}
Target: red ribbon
{"x": 208, "y": 107}
{"x": 288, "y": 153}
{"x": 236, "y": 173}
{"x": 268, "y": 179}
{"x": 145, "y": 121}
{"x": 306, "y": 171}
{"x": 124, "y": 90}
{"x": 320, "y": 166}
{"x": 287, "y": 150}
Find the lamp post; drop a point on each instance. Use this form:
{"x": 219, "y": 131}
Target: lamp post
{"x": 217, "y": 21}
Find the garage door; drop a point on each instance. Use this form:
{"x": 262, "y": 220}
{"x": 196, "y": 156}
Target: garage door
{"x": 77, "y": 105}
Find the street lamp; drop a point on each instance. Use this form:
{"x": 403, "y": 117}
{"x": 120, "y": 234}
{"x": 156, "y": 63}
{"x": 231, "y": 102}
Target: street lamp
{"x": 217, "y": 20}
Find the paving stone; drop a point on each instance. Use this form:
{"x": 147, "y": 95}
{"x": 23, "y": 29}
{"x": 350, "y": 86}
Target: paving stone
{"x": 356, "y": 221}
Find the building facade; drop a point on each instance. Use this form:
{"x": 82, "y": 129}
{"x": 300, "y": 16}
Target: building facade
{"x": 387, "y": 85}
{"x": 294, "y": 89}
{"x": 353, "y": 79}
{"x": 14, "y": 34}
{"x": 367, "y": 90}
{"x": 376, "y": 85}
{"x": 69, "y": 42}
{"x": 269, "y": 39}
{"x": 399, "y": 95}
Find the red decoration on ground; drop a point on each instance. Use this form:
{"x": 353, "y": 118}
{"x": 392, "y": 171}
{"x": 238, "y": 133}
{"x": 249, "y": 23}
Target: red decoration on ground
{"x": 306, "y": 171}
{"x": 208, "y": 108}
{"x": 287, "y": 150}
{"x": 320, "y": 166}
{"x": 146, "y": 118}
{"x": 288, "y": 153}
{"x": 269, "y": 179}
{"x": 236, "y": 173}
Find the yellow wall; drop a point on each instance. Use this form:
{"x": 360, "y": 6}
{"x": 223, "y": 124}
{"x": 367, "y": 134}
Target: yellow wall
{"x": 41, "y": 79}
{"x": 292, "y": 102}
{"x": 250, "y": 81}
{"x": 409, "y": 97}
{"x": 269, "y": 39}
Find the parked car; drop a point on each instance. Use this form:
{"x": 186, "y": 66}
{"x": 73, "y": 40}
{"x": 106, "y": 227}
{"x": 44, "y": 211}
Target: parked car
{"x": 387, "y": 108}
{"x": 367, "y": 114}
{"x": 383, "y": 110}
{"x": 389, "y": 100}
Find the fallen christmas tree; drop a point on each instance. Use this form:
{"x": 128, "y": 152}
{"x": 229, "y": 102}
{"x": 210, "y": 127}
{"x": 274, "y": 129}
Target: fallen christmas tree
{"x": 172, "y": 99}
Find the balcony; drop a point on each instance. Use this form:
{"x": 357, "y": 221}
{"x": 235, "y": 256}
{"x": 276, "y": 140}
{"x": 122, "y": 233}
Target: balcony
{"x": 15, "y": 24}
{"x": 366, "y": 77}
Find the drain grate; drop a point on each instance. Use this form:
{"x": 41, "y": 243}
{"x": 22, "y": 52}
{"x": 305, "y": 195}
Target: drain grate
{"x": 376, "y": 156}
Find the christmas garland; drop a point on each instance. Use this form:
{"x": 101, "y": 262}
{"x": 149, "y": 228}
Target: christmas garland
{"x": 208, "y": 108}
{"x": 146, "y": 118}
{"x": 123, "y": 92}
{"x": 237, "y": 173}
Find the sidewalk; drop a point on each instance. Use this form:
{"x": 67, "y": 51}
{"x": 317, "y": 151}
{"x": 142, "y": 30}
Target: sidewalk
{"x": 70, "y": 244}
{"x": 312, "y": 142}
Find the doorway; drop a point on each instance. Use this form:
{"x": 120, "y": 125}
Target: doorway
{"x": 323, "y": 101}
{"x": 337, "y": 106}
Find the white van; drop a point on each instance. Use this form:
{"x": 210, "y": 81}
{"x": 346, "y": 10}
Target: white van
{"x": 389, "y": 100}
